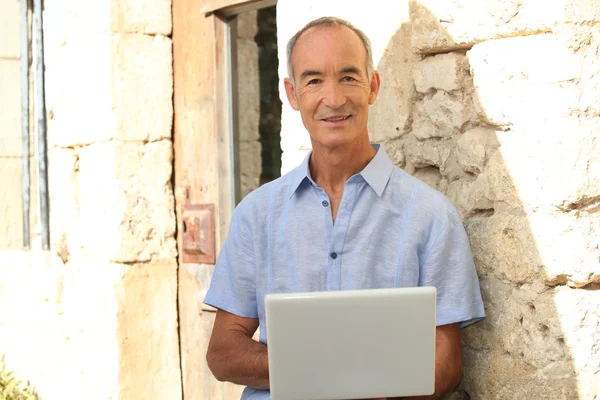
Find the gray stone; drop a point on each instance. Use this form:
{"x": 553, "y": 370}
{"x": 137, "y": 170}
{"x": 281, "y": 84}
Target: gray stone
{"x": 440, "y": 116}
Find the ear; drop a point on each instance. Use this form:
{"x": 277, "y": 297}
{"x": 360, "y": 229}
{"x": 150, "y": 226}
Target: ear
{"x": 291, "y": 93}
{"x": 375, "y": 85}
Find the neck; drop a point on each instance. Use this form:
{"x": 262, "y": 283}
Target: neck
{"x": 330, "y": 168}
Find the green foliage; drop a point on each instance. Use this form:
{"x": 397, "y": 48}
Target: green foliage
{"x": 13, "y": 389}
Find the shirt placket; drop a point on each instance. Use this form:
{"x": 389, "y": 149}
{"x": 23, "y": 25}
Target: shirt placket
{"x": 338, "y": 236}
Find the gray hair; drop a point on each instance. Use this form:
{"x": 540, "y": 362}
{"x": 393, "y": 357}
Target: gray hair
{"x": 328, "y": 22}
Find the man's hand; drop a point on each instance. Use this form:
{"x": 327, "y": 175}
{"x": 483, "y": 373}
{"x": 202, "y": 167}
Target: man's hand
{"x": 233, "y": 355}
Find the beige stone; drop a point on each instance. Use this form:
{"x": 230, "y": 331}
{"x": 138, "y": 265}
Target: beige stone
{"x": 537, "y": 246}
{"x": 123, "y": 106}
{"x": 148, "y": 333}
{"x": 429, "y": 175}
{"x": 513, "y": 83}
{"x": 446, "y": 72}
{"x": 441, "y": 26}
{"x": 423, "y": 154}
{"x": 126, "y": 201}
{"x": 10, "y": 28}
{"x": 474, "y": 147}
{"x": 562, "y": 173}
{"x": 142, "y": 111}
{"x": 63, "y": 179}
{"x": 440, "y": 116}
{"x": 73, "y": 17}
{"x": 523, "y": 349}
{"x": 10, "y": 108}
{"x": 390, "y": 117}
{"x": 141, "y": 16}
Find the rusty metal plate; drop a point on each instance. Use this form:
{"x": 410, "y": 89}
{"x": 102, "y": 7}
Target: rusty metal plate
{"x": 198, "y": 233}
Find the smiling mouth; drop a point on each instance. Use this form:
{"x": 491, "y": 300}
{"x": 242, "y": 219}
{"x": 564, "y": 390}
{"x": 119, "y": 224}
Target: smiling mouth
{"x": 337, "y": 119}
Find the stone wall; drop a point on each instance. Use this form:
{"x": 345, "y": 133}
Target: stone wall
{"x": 496, "y": 104}
{"x": 96, "y": 317}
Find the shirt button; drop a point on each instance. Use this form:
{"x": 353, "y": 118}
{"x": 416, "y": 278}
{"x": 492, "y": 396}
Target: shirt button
{"x": 333, "y": 255}
{"x": 325, "y": 203}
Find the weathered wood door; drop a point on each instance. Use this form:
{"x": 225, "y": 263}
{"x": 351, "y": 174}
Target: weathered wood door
{"x": 203, "y": 173}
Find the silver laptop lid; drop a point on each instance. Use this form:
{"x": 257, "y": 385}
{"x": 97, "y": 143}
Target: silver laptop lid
{"x": 351, "y": 344}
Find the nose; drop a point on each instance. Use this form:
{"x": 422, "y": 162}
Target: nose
{"x": 334, "y": 96}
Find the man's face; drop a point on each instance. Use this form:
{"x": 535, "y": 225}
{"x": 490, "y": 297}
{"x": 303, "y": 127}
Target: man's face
{"x": 333, "y": 91}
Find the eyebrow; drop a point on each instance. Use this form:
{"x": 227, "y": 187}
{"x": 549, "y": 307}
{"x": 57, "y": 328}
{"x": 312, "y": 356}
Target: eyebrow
{"x": 310, "y": 72}
{"x": 314, "y": 72}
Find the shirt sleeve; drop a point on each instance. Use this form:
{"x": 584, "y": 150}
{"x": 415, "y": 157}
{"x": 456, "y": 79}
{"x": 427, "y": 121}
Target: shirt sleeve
{"x": 448, "y": 265}
{"x": 233, "y": 284}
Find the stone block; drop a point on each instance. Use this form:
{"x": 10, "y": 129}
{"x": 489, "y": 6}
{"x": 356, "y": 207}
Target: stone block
{"x": 440, "y": 116}
{"x": 98, "y": 89}
{"x": 474, "y": 147}
{"x": 10, "y": 108}
{"x": 148, "y": 339}
{"x": 427, "y": 153}
{"x": 70, "y": 18}
{"x": 390, "y": 117}
{"x": 442, "y": 26}
{"x": 447, "y": 72}
{"x": 142, "y": 111}
{"x": 63, "y": 180}
{"x": 562, "y": 173}
{"x": 126, "y": 201}
{"x": 10, "y": 29}
{"x": 522, "y": 248}
{"x": 513, "y": 83}
{"x": 141, "y": 16}
{"x": 429, "y": 175}
{"x": 537, "y": 336}
{"x": 79, "y": 90}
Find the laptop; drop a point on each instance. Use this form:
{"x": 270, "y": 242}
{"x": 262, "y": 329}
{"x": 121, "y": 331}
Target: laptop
{"x": 351, "y": 344}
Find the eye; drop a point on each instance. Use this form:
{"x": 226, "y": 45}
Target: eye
{"x": 348, "y": 79}
{"x": 314, "y": 81}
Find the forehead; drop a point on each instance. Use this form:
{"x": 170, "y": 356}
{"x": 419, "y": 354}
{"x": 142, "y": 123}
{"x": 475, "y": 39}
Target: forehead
{"x": 331, "y": 45}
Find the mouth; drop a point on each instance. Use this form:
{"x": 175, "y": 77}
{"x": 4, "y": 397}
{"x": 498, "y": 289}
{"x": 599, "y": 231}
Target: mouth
{"x": 336, "y": 119}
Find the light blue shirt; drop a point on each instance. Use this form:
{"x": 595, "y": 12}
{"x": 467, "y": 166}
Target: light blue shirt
{"x": 391, "y": 230}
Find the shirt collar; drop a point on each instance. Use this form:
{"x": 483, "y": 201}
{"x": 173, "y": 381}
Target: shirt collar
{"x": 377, "y": 172}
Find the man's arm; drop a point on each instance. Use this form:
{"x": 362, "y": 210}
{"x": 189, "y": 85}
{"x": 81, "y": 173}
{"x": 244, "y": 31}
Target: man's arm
{"x": 233, "y": 355}
{"x": 448, "y": 361}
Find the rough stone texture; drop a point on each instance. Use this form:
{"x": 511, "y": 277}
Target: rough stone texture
{"x": 124, "y": 106}
{"x": 440, "y": 116}
{"x": 132, "y": 215}
{"x": 440, "y": 26}
{"x": 445, "y": 72}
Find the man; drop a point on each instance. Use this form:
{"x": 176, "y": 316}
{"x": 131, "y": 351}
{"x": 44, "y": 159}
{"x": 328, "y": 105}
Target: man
{"x": 346, "y": 218}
